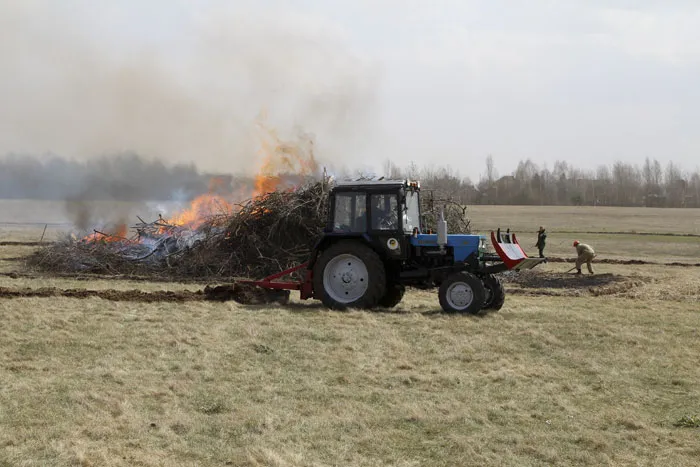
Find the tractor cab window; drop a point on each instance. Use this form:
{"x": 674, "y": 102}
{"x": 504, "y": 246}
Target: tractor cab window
{"x": 411, "y": 212}
{"x": 385, "y": 212}
{"x": 350, "y": 214}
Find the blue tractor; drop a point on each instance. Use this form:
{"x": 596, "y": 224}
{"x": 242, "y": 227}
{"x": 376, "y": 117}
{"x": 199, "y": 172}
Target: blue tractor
{"x": 374, "y": 245}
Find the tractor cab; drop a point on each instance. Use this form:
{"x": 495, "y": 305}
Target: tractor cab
{"x": 374, "y": 206}
{"x": 385, "y": 213}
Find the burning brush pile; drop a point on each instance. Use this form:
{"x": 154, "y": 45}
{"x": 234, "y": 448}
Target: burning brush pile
{"x": 264, "y": 235}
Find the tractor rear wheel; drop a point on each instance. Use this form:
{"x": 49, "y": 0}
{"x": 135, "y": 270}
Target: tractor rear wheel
{"x": 393, "y": 296}
{"x": 462, "y": 292}
{"x": 349, "y": 274}
{"x": 495, "y": 294}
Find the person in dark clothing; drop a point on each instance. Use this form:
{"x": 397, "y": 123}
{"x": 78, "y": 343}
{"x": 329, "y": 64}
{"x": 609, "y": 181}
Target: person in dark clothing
{"x": 541, "y": 238}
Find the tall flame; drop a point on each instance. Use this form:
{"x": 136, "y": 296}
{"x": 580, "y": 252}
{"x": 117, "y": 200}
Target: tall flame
{"x": 281, "y": 158}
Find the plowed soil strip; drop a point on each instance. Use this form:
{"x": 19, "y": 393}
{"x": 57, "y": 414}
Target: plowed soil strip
{"x": 19, "y": 243}
{"x": 109, "y": 294}
{"x": 76, "y": 276}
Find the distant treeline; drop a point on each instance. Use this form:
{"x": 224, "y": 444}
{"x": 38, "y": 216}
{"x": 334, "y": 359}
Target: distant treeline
{"x": 130, "y": 177}
{"x": 619, "y": 184}
{"x": 122, "y": 177}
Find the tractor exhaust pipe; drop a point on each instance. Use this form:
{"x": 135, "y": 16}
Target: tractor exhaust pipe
{"x": 442, "y": 231}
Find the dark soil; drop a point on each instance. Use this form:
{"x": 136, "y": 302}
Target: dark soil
{"x": 18, "y": 243}
{"x": 247, "y": 294}
{"x": 533, "y": 282}
{"x": 109, "y": 294}
{"x": 241, "y": 293}
{"x": 76, "y": 276}
{"x": 532, "y": 279}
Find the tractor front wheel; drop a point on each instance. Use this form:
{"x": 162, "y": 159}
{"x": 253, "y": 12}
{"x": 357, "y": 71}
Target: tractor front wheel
{"x": 349, "y": 274}
{"x": 462, "y": 292}
{"x": 495, "y": 294}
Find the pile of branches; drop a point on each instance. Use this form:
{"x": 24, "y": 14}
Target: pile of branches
{"x": 266, "y": 235}
{"x": 269, "y": 234}
{"x": 70, "y": 255}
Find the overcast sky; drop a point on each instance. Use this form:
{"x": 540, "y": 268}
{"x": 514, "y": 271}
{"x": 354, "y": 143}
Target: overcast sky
{"x": 443, "y": 82}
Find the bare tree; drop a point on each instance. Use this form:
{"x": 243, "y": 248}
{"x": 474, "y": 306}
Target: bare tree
{"x": 675, "y": 185}
{"x": 392, "y": 171}
{"x": 491, "y": 173}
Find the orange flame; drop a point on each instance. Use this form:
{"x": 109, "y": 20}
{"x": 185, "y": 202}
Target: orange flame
{"x": 204, "y": 206}
{"x": 280, "y": 160}
{"x": 119, "y": 234}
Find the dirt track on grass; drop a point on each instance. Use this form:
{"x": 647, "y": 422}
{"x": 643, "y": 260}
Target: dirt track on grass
{"x": 556, "y": 259}
{"x": 109, "y": 294}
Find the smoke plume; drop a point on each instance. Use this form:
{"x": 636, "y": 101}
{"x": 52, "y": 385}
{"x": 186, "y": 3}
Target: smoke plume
{"x": 86, "y": 80}
{"x": 82, "y": 79}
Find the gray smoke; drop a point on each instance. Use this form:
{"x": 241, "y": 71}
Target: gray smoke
{"x": 80, "y": 83}
{"x": 82, "y": 80}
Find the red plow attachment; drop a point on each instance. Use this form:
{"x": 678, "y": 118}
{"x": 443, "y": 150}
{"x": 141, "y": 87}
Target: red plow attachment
{"x": 267, "y": 290}
{"x": 510, "y": 251}
{"x": 304, "y": 286}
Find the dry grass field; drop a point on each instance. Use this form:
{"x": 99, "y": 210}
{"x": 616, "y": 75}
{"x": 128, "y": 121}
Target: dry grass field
{"x": 592, "y": 370}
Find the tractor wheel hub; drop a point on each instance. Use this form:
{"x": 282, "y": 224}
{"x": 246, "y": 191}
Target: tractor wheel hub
{"x": 345, "y": 278}
{"x": 460, "y": 295}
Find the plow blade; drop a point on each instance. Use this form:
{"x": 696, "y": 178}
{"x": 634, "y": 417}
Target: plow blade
{"x": 510, "y": 251}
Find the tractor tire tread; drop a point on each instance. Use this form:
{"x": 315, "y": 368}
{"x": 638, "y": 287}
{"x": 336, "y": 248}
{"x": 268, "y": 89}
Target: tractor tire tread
{"x": 498, "y": 293}
{"x": 375, "y": 267}
{"x": 478, "y": 291}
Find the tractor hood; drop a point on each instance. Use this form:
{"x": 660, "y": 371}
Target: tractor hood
{"x": 463, "y": 245}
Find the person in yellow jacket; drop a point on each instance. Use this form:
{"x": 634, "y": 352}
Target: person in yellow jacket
{"x": 585, "y": 255}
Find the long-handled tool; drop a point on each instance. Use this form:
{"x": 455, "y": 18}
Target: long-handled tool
{"x": 570, "y": 270}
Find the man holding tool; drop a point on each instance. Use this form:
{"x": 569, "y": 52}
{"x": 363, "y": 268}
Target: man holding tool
{"x": 585, "y": 255}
